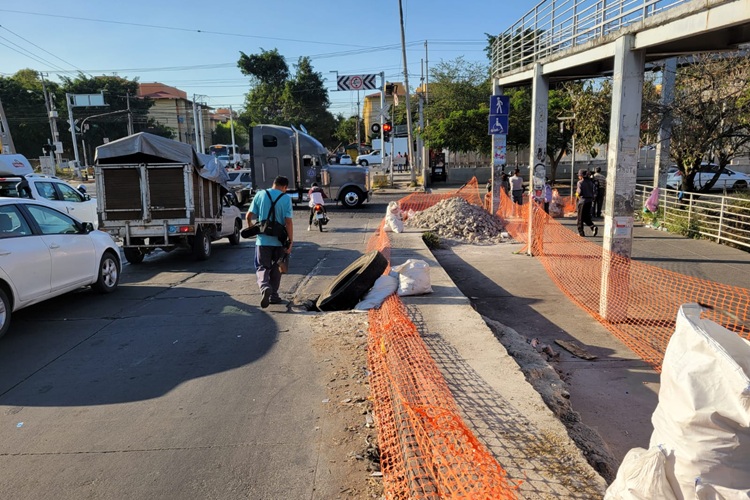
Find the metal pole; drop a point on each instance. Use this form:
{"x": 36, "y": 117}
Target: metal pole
{"x": 195, "y": 124}
{"x": 202, "y": 134}
{"x": 72, "y": 127}
{"x": 231, "y": 128}
{"x": 410, "y": 146}
{"x": 572, "y": 163}
{"x": 130, "y": 117}
{"x": 359, "y": 139}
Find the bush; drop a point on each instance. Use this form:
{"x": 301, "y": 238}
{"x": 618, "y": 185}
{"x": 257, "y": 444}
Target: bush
{"x": 431, "y": 239}
{"x": 380, "y": 181}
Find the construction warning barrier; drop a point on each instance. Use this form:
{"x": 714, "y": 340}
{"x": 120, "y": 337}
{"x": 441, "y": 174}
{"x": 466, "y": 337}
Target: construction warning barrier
{"x": 636, "y": 302}
{"x": 426, "y": 450}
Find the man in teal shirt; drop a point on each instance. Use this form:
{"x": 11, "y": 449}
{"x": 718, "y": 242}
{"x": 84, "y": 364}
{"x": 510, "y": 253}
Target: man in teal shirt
{"x": 269, "y": 250}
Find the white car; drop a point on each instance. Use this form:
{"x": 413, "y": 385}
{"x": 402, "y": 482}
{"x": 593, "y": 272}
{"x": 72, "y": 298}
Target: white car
{"x": 46, "y": 253}
{"x": 53, "y": 192}
{"x": 729, "y": 179}
{"x": 241, "y": 184}
{"x": 372, "y": 158}
{"x": 346, "y": 160}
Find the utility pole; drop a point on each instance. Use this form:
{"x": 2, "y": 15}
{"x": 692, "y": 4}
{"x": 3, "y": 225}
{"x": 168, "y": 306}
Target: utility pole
{"x": 72, "y": 123}
{"x": 359, "y": 140}
{"x": 200, "y": 125}
{"x": 130, "y": 117}
{"x": 52, "y": 113}
{"x": 420, "y": 139}
{"x": 410, "y": 147}
{"x": 6, "y": 140}
{"x": 195, "y": 124}
{"x": 231, "y": 129}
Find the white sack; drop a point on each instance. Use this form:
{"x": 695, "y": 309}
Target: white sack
{"x": 383, "y": 287}
{"x": 393, "y": 218}
{"x": 641, "y": 476}
{"x": 702, "y": 420}
{"x": 413, "y": 278}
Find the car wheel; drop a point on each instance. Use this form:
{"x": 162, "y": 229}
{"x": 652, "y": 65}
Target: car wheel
{"x": 352, "y": 197}
{"x": 234, "y": 238}
{"x": 109, "y": 274}
{"x": 353, "y": 282}
{"x": 740, "y": 185}
{"x": 134, "y": 255}
{"x": 5, "y": 312}
{"x": 364, "y": 163}
{"x": 202, "y": 245}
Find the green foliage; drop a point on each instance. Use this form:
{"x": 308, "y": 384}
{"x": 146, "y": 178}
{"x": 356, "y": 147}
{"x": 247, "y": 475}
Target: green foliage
{"x": 223, "y": 134}
{"x": 276, "y": 97}
{"x": 346, "y": 132}
{"x": 23, "y": 102}
{"x": 431, "y": 239}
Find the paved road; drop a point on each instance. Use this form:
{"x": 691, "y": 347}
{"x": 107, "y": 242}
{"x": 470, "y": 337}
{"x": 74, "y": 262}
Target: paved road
{"x": 177, "y": 385}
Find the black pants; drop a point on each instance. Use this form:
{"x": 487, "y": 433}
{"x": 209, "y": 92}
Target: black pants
{"x": 596, "y": 206}
{"x": 584, "y": 214}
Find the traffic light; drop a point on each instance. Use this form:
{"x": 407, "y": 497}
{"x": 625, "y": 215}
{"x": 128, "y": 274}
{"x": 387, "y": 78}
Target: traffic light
{"x": 387, "y": 127}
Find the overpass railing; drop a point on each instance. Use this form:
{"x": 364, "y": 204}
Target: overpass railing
{"x": 721, "y": 218}
{"x": 557, "y": 25}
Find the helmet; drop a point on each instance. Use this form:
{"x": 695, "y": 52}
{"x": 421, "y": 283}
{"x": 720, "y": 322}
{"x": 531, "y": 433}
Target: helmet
{"x": 81, "y": 188}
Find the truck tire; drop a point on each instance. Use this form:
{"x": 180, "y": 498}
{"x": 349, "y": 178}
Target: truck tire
{"x": 5, "y": 312}
{"x": 134, "y": 255}
{"x": 109, "y": 274}
{"x": 352, "y": 197}
{"x": 353, "y": 282}
{"x": 202, "y": 244}
{"x": 234, "y": 238}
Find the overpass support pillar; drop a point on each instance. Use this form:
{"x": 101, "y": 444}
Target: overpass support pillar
{"x": 661, "y": 163}
{"x": 622, "y": 164}
{"x": 538, "y": 149}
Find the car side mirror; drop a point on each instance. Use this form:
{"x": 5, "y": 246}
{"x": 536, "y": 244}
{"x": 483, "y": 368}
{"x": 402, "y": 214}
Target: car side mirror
{"x": 87, "y": 227}
{"x": 86, "y": 197}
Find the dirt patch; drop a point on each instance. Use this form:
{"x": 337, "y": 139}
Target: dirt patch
{"x": 340, "y": 341}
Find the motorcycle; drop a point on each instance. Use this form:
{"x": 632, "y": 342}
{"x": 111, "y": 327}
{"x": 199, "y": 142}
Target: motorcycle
{"x": 320, "y": 218}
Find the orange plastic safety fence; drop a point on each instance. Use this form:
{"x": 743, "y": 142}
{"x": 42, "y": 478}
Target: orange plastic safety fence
{"x": 426, "y": 450}
{"x": 642, "y": 300}
{"x": 422, "y": 201}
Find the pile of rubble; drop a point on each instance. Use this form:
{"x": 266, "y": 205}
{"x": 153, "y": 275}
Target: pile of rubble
{"x": 455, "y": 218}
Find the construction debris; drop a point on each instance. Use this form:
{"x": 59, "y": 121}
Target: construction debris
{"x": 455, "y": 218}
{"x": 575, "y": 349}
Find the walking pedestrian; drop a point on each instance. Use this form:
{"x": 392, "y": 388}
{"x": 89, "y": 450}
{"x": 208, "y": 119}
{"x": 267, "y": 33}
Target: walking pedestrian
{"x": 585, "y": 195}
{"x": 271, "y": 251}
{"x": 406, "y": 162}
{"x": 516, "y": 187}
{"x": 601, "y": 182}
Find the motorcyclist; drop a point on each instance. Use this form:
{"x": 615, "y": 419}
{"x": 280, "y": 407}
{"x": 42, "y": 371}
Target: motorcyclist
{"x": 317, "y": 197}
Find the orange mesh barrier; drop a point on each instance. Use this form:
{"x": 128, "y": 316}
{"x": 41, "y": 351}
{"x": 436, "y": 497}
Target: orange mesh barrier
{"x": 642, "y": 300}
{"x": 426, "y": 450}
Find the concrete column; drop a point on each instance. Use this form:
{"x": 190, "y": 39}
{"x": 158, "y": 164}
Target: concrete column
{"x": 661, "y": 163}
{"x": 538, "y": 148}
{"x": 622, "y": 163}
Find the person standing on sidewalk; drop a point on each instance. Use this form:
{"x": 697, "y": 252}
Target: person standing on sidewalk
{"x": 516, "y": 187}
{"x": 601, "y": 182}
{"x": 585, "y": 195}
{"x": 270, "y": 251}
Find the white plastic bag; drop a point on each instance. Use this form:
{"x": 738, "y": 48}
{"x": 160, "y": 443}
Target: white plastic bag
{"x": 413, "y": 278}
{"x": 383, "y": 287}
{"x": 393, "y": 218}
{"x": 702, "y": 420}
{"x": 641, "y": 476}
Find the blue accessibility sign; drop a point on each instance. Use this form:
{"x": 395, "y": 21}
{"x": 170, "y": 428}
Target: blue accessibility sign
{"x": 498, "y": 124}
{"x": 499, "y": 110}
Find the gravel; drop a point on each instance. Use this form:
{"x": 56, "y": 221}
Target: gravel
{"x": 455, "y": 218}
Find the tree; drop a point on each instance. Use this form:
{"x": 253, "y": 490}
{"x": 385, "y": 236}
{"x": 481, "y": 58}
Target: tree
{"x": 709, "y": 113}
{"x": 223, "y": 134}
{"x": 347, "y": 130}
{"x": 279, "y": 98}
{"x": 23, "y": 102}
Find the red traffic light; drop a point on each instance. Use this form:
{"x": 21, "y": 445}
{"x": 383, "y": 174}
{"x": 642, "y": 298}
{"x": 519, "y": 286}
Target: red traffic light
{"x": 387, "y": 127}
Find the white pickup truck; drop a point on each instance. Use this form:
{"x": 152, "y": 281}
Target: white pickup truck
{"x": 17, "y": 181}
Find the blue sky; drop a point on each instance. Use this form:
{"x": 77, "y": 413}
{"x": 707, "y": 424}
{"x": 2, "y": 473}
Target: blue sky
{"x": 195, "y": 48}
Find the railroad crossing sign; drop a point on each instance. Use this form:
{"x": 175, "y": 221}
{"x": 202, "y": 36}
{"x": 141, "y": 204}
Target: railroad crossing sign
{"x": 356, "y": 82}
{"x": 499, "y": 110}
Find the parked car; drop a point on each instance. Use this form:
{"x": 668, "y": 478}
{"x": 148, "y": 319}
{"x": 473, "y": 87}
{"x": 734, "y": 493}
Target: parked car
{"x": 346, "y": 160}
{"x": 47, "y": 253}
{"x": 241, "y": 184}
{"x": 372, "y": 158}
{"x": 728, "y": 179}
{"x": 53, "y": 192}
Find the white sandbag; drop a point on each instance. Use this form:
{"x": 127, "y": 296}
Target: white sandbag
{"x": 641, "y": 476}
{"x": 394, "y": 218}
{"x": 413, "y": 278}
{"x": 383, "y": 287}
{"x": 702, "y": 419}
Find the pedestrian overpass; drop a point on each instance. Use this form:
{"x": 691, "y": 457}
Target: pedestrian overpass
{"x": 561, "y": 40}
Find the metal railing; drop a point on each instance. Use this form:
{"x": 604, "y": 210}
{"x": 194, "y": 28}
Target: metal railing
{"x": 556, "y": 25}
{"x": 724, "y": 219}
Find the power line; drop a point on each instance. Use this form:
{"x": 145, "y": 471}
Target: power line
{"x": 38, "y": 47}
{"x": 27, "y": 53}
